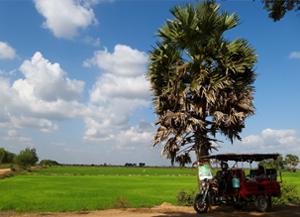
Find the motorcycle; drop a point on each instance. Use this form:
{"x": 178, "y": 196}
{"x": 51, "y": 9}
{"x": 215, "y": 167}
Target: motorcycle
{"x": 210, "y": 195}
{"x": 207, "y": 196}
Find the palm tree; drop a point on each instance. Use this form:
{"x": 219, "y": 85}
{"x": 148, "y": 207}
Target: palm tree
{"x": 202, "y": 83}
{"x": 278, "y": 8}
{"x": 183, "y": 159}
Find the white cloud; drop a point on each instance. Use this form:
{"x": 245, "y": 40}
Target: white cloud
{"x": 253, "y": 139}
{"x": 65, "y": 17}
{"x": 14, "y": 135}
{"x": 6, "y": 51}
{"x": 46, "y": 81}
{"x": 294, "y": 55}
{"x": 124, "y": 61}
{"x": 44, "y": 95}
{"x": 110, "y": 86}
{"x": 95, "y": 42}
{"x": 135, "y": 137}
{"x": 283, "y": 141}
{"x": 89, "y": 3}
{"x": 270, "y": 133}
{"x": 120, "y": 90}
{"x": 43, "y": 125}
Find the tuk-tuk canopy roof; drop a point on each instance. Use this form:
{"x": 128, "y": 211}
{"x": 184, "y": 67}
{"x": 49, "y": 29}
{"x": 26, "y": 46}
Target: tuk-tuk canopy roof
{"x": 241, "y": 157}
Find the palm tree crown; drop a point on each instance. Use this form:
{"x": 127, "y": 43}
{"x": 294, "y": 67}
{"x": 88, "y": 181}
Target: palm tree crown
{"x": 201, "y": 82}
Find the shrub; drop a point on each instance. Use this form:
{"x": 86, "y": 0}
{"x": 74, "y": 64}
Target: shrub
{"x": 121, "y": 202}
{"x": 14, "y": 168}
{"x": 185, "y": 198}
{"x": 49, "y": 163}
{"x": 289, "y": 195}
{"x": 27, "y": 158}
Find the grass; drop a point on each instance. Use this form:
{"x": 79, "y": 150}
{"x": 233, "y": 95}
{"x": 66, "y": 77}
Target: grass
{"x": 88, "y": 170}
{"x": 89, "y": 188}
{"x": 292, "y": 179}
{"x": 72, "y": 193}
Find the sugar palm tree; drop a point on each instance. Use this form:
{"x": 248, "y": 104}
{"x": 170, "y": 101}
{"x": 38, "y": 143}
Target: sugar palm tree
{"x": 202, "y": 83}
{"x": 183, "y": 159}
{"x": 278, "y": 8}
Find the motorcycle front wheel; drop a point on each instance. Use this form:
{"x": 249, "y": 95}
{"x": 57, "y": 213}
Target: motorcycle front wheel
{"x": 200, "y": 204}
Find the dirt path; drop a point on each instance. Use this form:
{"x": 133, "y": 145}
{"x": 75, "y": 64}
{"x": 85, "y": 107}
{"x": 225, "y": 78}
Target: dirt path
{"x": 166, "y": 210}
{"x": 4, "y": 171}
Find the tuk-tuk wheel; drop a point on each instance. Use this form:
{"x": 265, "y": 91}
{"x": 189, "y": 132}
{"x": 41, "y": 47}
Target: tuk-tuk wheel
{"x": 201, "y": 206}
{"x": 262, "y": 203}
{"x": 238, "y": 206}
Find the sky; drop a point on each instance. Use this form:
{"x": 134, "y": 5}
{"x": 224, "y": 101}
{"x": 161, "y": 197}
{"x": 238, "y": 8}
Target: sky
{"x": 73, "y": 85}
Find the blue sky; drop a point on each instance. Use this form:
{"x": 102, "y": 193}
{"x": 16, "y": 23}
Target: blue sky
{"x": 72, "y": 79}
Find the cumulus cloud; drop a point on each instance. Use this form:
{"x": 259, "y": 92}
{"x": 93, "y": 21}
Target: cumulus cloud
{"x": 42, "y": 124}
{"x": 14, "y": 135}
{"x": 42, "y": 96}
{"x": 95, "y": 42}
{"x": 6, "y": 51}
{"x": 119, "y": 91}
{"x": 47, "y": 81}
{"x": 124, "y": 61}
{"x": 65, "y": 17}
{"x": 133, "y": 138}
{"x": 89, "y": 3}
{"x": 108, "y": 86}
{"x": 283, "y": 141}
{"x": 294, "y": 55}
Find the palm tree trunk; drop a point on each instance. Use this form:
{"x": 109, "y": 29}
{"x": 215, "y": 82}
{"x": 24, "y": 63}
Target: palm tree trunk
{"x": 201, "y": 149}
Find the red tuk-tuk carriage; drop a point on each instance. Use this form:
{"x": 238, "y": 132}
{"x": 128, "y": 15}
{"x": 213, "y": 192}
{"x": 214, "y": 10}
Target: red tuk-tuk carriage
{"x": 231, "y": 186}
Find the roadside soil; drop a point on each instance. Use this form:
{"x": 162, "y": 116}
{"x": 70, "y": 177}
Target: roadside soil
{"x": 4, "y": 171}
{"x": 166, "y": 210}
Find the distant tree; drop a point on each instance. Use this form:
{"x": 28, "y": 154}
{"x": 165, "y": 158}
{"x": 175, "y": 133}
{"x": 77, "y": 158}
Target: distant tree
{"x": 202, "y": 83}
{"x": 10, "y": 157}
{"x": 279, "y": 163}
{"x": 6, "y": 157}
{"x": 2, "y": 155}
{"x": 183, "y": 159}
{"x": 278, "y": 8}
{"x": 142, "y": 164}
{"x": 291, "y": 162}
{"x": 130, "y": 165}
{"x": 49, "y": 163}
{"x": 27, "y": 158}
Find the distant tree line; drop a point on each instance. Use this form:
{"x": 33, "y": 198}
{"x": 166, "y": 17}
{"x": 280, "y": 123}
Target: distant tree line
{"x": 289, "y": 162}
{"x": 28, "y": 157}
{"x": 49, "y": 163}
{"x": 25, "y": 159}
{"x": 134, "y": 165}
